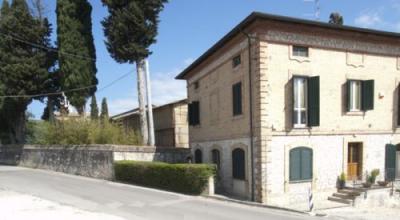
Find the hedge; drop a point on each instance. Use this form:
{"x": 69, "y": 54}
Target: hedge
{"x": 182, "y": 178}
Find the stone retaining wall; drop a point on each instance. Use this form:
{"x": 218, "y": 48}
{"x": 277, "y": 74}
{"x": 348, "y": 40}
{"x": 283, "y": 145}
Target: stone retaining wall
{"x": 92, "y": 161}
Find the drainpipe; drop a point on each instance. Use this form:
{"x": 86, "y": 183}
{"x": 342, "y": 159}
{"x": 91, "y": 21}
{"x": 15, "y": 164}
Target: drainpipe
{"x": 251, "y": 118}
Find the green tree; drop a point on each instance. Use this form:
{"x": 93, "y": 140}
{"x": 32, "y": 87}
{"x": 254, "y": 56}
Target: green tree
{"x": 130, "y": 28}
{"x": 336, "y": 18}
{"x": 104, "y": 110}
{"x": 24, "y": 67}
{"x": 94, "y": 109}
{"x": 77, "y": 55}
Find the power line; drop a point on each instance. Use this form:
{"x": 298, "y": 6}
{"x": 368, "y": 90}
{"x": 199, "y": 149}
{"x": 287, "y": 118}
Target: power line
{"x": 70, "y": 90}
{"x": 47, "y": 48}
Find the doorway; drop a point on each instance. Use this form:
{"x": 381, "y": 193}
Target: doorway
{"x": 354, "y": 161}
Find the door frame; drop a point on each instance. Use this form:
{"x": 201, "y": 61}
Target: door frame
{"x": 360, "y": 148}
{"x": 346, "y": 141}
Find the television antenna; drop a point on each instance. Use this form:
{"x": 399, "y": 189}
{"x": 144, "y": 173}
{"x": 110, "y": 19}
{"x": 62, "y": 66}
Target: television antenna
{"x": 317, "y": 8}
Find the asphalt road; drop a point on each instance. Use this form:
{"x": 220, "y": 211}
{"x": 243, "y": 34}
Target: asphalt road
{"x": 128, "y": 202}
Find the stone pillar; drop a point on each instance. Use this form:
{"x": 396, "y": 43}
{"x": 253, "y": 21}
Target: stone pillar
{"x": 262, "y": 128}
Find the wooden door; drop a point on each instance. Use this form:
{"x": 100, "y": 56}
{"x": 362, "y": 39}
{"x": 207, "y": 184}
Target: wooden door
{"x": 354, "y": 161}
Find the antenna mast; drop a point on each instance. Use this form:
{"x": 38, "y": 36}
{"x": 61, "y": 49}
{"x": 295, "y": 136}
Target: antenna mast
{"x": 317, "y": 8}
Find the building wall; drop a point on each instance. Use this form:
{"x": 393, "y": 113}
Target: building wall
{"x": 329, "y": 161}
{"x": 170, "y": 125}
{"x": 333, "y": 75}
{"x": 181, "y": 127}
{"x": 225, "y": 183}
{"x": 215, "y": 96}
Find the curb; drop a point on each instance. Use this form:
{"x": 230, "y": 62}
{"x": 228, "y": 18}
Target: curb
{"x": 255, "y": 204}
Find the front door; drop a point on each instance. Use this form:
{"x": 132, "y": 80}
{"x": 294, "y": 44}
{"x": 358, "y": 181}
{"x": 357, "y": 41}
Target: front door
{"x": 354, "y": 161}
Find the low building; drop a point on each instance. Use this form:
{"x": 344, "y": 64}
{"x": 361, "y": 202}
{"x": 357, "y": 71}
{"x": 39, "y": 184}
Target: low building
{"x": 170, "y": 123}
{"x": 285, "y": 105}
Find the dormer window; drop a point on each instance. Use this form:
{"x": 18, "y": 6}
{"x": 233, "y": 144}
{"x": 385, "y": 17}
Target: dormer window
{"x": 236, "y": 61}
{"x": 300, "y": 51}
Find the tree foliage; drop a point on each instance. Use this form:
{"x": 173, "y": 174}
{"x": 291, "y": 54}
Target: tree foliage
{"x": 94, "y": 109}
{"x": 131, "y": 28}
{"x": 104, "y": 110}
{"x": 336, "y": 18}
{"x": 24, "y": 67}
{"x": 77, "y": 55}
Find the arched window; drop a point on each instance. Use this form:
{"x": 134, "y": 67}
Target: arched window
{"x": 216, "y": 159}
{"x": 198, "y": 156}
{"x": 238, "y": 164}
{"x": 300, "y": 163}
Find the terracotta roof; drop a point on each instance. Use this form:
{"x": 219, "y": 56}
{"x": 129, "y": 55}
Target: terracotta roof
{"x": 263, "y": 16}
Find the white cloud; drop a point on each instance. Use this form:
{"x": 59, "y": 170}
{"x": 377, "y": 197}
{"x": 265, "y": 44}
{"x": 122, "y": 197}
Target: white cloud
{"x": 165, "y": 88}
{"x": 368, "y": 19}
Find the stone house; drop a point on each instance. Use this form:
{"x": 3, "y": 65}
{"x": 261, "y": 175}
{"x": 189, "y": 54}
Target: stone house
{"x": 312, "y": 101}
{"x": 170, "y": 123}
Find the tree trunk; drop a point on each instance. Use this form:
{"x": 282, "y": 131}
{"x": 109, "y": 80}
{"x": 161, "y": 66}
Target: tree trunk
{"x": 140, "y": 65}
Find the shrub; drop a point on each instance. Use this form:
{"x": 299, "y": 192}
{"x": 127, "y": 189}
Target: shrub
{"x": 81, "y": 132}
{"x": 183, "y": 178}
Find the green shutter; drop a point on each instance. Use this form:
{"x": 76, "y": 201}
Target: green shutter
{"x": 295, "y": 164}
{"x": 237, "y": 99}
{"x": 313, "y": 98}
{"x": 190, "y": 113}
{"x": 300, "y": 164}
{"x": 348, "y": 93}
{"x": 390, "y": 162}
{"x": 306, "y": 164}
{"x": 196, "y": 113}
{"x": 367, "y": 95}
{"x": 238, "y": 164}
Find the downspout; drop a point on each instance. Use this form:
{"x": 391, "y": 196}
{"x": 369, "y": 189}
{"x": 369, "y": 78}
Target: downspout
{"x": 251, "y": 117}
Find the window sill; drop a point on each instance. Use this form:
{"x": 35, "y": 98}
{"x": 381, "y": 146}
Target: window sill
{"x": 300, "y": 181}
{"x": 237, "y": 117}
{"x": 354, "y": 113}
{"x": 300, "y": 127}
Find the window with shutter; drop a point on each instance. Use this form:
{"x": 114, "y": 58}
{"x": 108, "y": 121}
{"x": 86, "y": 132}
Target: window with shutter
{"x": 300, "y": 164}
{"x": 237, "y": 99}
{"x": 360, "y": 95}
{"x": 238, "y": 164}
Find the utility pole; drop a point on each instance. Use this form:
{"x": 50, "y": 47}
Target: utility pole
{"x": 141, "y": 83}
{"x": 149, "y": 105}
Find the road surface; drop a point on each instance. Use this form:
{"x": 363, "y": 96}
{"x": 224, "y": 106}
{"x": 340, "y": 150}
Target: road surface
{"x": 72, "y": 194}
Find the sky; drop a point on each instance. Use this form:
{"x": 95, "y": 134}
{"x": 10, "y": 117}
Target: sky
{"x": 189, "y": 27}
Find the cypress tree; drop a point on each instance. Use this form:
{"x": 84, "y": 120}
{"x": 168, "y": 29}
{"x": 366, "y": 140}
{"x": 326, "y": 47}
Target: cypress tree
{"x": 74, "y": 36}
{"x": 94, "y": 109}
{"x": 24, "y": 68}
{"x": 104, "y": 110}
{"x": 130, "y": 29}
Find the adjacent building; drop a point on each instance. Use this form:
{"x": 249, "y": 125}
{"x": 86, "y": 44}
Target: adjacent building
{"x": 285, "y": 105}
{"x": 170, "y": 123}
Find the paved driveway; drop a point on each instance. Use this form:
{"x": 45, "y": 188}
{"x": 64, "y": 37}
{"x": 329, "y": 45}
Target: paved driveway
{"x": 119, "y": 201}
